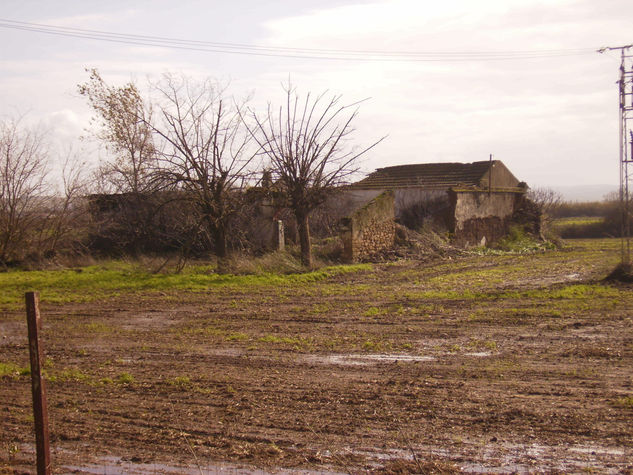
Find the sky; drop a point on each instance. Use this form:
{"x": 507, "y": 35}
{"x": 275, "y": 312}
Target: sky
{"x": 519, "y": 79}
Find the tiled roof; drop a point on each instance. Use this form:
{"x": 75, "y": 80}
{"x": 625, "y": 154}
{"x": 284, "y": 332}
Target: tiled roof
{"x": 426, "y": 175}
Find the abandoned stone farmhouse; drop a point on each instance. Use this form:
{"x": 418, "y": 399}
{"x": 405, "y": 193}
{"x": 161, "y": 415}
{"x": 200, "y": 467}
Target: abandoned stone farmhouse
{"x": 475, "y": 203}
{"x": 471, "y": 203}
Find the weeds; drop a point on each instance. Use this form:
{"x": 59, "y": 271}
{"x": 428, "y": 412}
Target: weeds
{"x": 376, "y": 346}
{"x": 625, "y": 402}
{"x": 373, "y": 311}
{"x": 11, "y": 370}
{"x": 477, "y": 344}
{"x": 238, "y": 336}
{"x": 180, "y": 381}
{"x": 96, "y": 327}
{"x": 297, "y": 343}
{"x": 125, "y": 378}
{"x": 519, "y": 242}
{"x": 70, "y": 374}
{"x": 115, "y": 278}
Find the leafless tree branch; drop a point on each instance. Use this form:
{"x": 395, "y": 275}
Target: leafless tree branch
{"x": 308, "y": 144}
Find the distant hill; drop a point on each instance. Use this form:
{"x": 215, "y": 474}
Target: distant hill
{"x": 583, "y": 192}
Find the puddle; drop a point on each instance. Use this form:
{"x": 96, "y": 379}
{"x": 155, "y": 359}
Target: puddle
{"x": 361, "y": 360}
{"x": 340, "y": 359}
{"x": 473, "y": 457}
{"x": 597, "y": 451}
{"x": 118, "y": 466}
{"x": 351, "y": 359}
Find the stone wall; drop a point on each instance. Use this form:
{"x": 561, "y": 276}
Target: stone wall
{"x": 370, "y": 229}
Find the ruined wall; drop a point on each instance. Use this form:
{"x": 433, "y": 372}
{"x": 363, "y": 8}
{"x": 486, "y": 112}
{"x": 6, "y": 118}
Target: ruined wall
{"x": 349, "y": 200}
{"x": 370, "y": 229}
{"x": 417, "y": 208}
{"x": 481, "y": 218}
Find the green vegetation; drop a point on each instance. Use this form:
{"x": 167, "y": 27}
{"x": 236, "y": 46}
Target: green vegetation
{"x": 589, "y": 219}
{"x": 238, "y": 336}
{"x": 477, "y": 344}
{"x": 117, "y": 277}
{"x": 374, "y": 345}
{"x": 180, "y": 381}
{"x": 372, "y": 311}
{"x": 125, "y": 378}
{"x": 578, "y": 221}
{"x": 296, "y": 343}
{"x": 12, "y": 370}
{"x": 96, "y": 327}
{"x": 625, "y": 402}
{"x": 519, "y": 241}
{"x": 593, "y": 209}
{"x": 69, "y": 374}
{"x": 584, "y": 227}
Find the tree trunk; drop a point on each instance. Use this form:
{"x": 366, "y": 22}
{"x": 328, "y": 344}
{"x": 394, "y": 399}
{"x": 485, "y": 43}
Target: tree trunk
{"x": 219, "y": 236}
{"x": 304, "y": 239}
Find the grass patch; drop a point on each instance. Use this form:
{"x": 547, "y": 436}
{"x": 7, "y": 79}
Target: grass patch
{"x": 180, "y": 381}
{"x": 116, "y": 277}
{"x": 373, "y": 311}
{"x": 477, "y": 344}
{"x": 199, "y": 330}
{"x": 625, "y": 402}
{"x": 96, "y": 327}
{"x": 238, "y": 336}
{"x": 572, "y": 292}
{"x": 372, "y": 345}
{"x": 297, "y": 343}
{"x": 12, "y": 370}
{"x": 125, "y": 378}
{"x": 69, "y": 374}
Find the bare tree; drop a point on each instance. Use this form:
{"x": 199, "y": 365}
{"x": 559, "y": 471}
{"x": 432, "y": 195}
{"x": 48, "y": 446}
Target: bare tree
{"x": 306, "y": 141}
{"x": 206, "y": 151}
{"x": 548, "y": 202}
{"x": 23, "y": 169}
{"x": 67, "y": 220}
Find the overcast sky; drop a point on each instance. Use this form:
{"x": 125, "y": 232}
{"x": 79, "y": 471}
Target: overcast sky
{"x": 552, "y": 119}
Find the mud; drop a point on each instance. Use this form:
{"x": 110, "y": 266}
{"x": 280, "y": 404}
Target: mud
{"x": 360, "y": 373}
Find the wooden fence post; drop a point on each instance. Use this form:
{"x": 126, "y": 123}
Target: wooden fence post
{"x": 38, "y": 385}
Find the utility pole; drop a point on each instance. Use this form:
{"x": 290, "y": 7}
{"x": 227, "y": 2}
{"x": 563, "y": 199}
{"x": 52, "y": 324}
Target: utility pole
{"x": 490, "y": 177}
{"x": 625, "y": 85}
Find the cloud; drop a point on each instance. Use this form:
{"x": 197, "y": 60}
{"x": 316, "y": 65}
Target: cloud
{"x": 65, "y": 124}
{"x": 550, "y": 119}
{"x": 90, "y": 20}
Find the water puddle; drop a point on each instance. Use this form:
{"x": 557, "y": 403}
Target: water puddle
{"x": 472, "y": 457}
{"x": 119, "y": 466}
{"x": 592, "y": 450}
{"x": 362, "y": 360}
{"x": 359, "y": 359}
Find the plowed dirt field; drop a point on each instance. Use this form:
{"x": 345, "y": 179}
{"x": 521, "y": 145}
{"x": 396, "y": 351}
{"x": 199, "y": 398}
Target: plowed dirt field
{"x": 480, "y": 363}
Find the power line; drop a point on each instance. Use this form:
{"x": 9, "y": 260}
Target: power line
{"x": 290, "y": 52}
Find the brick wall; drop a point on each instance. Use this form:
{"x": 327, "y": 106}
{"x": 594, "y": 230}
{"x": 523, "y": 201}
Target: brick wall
{"x": 370, "y": 229}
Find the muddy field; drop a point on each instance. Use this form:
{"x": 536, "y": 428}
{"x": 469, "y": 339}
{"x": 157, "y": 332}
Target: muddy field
{"x": 492, "y": 363}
